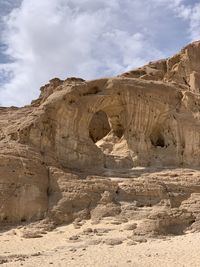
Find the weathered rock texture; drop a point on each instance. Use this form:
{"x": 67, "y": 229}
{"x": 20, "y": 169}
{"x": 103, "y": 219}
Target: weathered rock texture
{"x": 75, "y": 151}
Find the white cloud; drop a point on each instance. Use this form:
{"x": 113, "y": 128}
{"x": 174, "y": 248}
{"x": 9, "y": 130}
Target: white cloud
{"x": 190, "y": 13}
{"x": 195, "y": 22}
{"x": 85, "y": 38}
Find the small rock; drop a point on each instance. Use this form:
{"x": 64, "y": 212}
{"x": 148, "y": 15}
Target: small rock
{"x": 116, "y": 222}
{"x": 99, "y": 234}
{"x": 72, "y": 250}
{"x": 74, "y": 237}
{"x": 87, "y": 230}
{"x": 29, "y": 234}
{"x": 113, "y": 242}
{"x": 2, "y": 261}
{"x": 132, "y": 226}
{"x": 101, "y": 230}
{"x": 36, "y": 254}
{"x": 94, "y": 242}
{"x": 95, "y": 221}
{"x": 76, "y": 226}
{"x": 131, "y": 243}
{"x": 139, "y": 239}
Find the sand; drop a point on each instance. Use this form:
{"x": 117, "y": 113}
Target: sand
{"x": 104, "y": 244}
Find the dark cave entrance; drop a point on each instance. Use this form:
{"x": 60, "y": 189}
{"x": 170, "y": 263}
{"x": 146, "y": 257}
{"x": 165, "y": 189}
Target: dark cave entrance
{"x": 99, "y": 126}
{"x": 157, "y": 139}
{"x": 107, "y": 133}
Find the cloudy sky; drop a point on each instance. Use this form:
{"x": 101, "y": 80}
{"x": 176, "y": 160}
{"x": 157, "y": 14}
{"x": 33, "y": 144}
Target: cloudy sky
{"x": 42, "y": 39}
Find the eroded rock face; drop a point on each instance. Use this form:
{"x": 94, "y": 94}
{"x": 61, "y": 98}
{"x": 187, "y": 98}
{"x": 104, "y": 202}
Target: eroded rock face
{"x": 150, "y": 124}
{"x": 182, "y": 69}
{"x": 90, "y": 149}
{"x": 23, "y": 184}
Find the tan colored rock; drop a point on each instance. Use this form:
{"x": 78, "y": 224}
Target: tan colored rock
{"x": 116, "y": 146}
{"x": 168, "y": 222}
{"x": 23, "y": 184}
{"x": 183, "y": 69}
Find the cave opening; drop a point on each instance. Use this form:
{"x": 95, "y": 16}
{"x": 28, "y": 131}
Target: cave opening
{"x": 99, "y": 126}
{"x": 118, "y": 130}
{"x": 107, "y": 133}
{"x": 157, "y": 139}
{"x": 160, "y": 142}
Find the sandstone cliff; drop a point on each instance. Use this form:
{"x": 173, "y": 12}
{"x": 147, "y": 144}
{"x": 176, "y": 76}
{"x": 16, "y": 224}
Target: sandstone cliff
{"x": 99, "y": 148}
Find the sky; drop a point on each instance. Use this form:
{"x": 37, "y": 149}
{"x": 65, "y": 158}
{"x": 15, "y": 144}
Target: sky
{"x": 43, "y": 39}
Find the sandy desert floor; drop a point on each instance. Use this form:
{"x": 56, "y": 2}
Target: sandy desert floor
{"x": 107, "y": 243}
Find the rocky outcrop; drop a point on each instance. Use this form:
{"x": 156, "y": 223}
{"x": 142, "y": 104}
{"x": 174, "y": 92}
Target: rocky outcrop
{"x": 183, "y": 69}
{"x": 90, "y": 149}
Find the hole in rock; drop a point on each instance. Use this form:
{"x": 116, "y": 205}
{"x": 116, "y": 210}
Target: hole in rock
{"x": 99, "y": 126}
{"x": 5, "y": 218}
{"x": 119, "y": 131}
{"x": 107, "y": 132}
{"x": 157, "y": 139}
{"x": 160, "y": 142}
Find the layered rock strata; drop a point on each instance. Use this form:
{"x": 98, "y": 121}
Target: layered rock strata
{"x": 99, "y": 148}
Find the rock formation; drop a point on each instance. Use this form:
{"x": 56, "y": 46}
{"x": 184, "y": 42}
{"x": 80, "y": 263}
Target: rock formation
{"x": 123, "y": 146}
